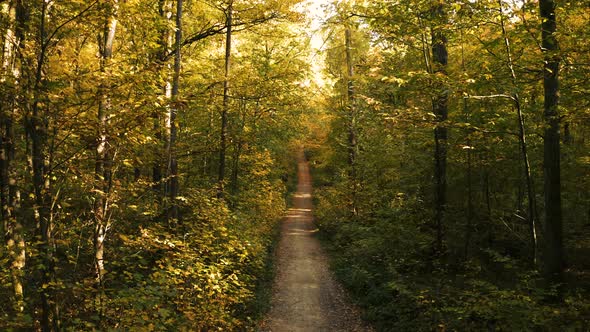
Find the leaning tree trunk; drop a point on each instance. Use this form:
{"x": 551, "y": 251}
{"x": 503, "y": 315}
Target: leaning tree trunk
{"x": 532, "y": 204}
{"x": 553, "y": 251}
{"x": 440, "y": 110}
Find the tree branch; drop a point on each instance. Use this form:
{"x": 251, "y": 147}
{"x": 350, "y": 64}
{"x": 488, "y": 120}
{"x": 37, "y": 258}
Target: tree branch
{"x": 498, "y": 96}
{"x": 68, "y": 21}
{"x": 219, "y": 28}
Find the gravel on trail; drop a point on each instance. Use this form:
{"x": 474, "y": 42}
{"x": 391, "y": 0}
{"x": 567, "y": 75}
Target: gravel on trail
{"x": 305, "y": 295}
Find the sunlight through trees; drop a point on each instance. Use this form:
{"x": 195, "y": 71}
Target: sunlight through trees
{"x": 147, "y": 155}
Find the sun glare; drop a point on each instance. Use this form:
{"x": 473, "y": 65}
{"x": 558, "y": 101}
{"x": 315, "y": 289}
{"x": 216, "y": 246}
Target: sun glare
{"x": 315, "y": 11}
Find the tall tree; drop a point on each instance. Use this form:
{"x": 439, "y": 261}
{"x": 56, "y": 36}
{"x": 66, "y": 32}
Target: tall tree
{"x": 37, "y": 127}
{"x": 104, "y": 154}
{"x": 9, "y": 195}
{"x": 172, "y": 173}
{"x": 351, "y": 108}
{"x": 554, "y": 262}
{"x": 440, "y": 110}
{"x": 532, "y": 204}
{"x": 226, "y": 97}
{"x": 161, "y": 57}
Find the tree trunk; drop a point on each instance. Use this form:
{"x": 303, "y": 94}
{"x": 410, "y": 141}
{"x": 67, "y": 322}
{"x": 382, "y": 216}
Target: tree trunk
{"x": 554, "y": 261}
{"x": 470, "y": 204}
{"x": 225, "y": 106}
{"x": 157, "y": 166}
{"x": 488, "y": 199}
{"x": 470, "y": 207}
{"x": 104, "y": 157}
{"x": 13, "y": 230}
{"x": 440, "y": 109}
{"x": 352, "y": 137}
{"x": 164, "y": 48}
{"x": 532, "y": 205}
{"x": 172, "y": 164}
{"x": 37, "y": 131}
{"x": 567, "y": 134}
{"x": 235, "y": 185}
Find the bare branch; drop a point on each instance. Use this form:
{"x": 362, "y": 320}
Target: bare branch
{"x": 498, "y": 96}
{"x": 220, "y": 28}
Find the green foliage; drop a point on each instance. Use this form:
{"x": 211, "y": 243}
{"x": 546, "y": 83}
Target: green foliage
{"x": 202, "y": 274}
{"x": 208, "y": 269}
{"x": 384, "y": 263}
{"x": 195, "y": 279}
{"x": 385, "y": 251}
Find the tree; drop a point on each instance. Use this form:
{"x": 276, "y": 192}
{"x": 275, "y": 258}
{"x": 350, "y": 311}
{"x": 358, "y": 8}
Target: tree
{"x": 225, "y": 105}
{"x": 9, "y": 193}
{"x": 352, "y": 118}
{"x": 554, "y": 263}
{"x": 104, "y": 148}
{"x": 515, "y": 98}
{"x": 440, "y": 110}
{"x": 172, "y": 169}
{"x": 37, "y": 127}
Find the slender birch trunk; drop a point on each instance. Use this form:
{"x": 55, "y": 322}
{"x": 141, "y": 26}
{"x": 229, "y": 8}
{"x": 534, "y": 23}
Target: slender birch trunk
{"x": 104, "y": 156}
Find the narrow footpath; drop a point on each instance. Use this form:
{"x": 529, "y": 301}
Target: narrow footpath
{"x": 305, "y": 295}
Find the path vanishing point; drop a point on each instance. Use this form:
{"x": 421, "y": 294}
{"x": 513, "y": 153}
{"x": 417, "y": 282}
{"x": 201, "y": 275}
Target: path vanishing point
{"x": 305, "y": 296}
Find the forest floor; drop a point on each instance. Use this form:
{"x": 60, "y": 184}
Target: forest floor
{"x": 305, "y": 295}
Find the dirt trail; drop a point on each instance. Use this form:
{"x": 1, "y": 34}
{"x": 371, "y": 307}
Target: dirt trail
{"x": 305, "y": 295}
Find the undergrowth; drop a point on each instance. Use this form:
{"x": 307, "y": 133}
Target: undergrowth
{"x": 384, "y": 258}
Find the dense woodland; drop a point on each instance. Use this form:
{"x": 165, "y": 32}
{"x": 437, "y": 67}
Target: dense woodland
{"x": 148, "y": 150}
{"x": 458, "y": 140}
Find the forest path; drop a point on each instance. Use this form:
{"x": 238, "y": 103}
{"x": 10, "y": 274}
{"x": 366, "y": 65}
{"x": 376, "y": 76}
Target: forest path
{"x": 305, "y": 295}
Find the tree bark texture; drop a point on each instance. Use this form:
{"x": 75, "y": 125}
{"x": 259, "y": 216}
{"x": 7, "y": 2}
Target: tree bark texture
{"x": 553, "y": 251}
{"x": 172, "y": 175}
{"x": 104, "y": 155}
{"x": 440, "y": 110}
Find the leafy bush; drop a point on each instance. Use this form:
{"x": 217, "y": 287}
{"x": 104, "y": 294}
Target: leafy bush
{"x": 208, "y": 271}
{"x": 385, "y": 262}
